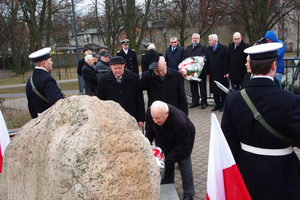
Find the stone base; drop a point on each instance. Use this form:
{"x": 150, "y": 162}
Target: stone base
{"x": 168, "y": 192}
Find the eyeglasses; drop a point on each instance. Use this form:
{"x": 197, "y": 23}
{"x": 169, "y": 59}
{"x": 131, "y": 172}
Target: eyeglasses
{"x": 173, "y": 42}
{"x": 236, "y": 38}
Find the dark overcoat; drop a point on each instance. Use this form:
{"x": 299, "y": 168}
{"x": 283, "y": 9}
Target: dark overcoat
{"x": 175, "y": 137}
{"x": 126, "y": 93}
{"x": 79, "y": 66}
{"x": 101, "y": 69}
{"x": 130, "y": 58}
{"x": 266, "y": 177}
{"x": 237, "y": 61}
{"x": 217, "y": 67}
{"x": 90, "y": 79}
{"x": 173, "y": 58}
{"x": 169, "y": 90}
{"x": 47, "y": 86}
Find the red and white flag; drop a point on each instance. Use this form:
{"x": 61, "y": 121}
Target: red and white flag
{"x": 4, "y": 139}
{"x": 224, "y": 181}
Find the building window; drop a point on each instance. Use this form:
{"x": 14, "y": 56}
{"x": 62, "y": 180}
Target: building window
{"x": 209, "y": 6}
{"x": 220, "y": 19}
{"x": 209, "y": 20}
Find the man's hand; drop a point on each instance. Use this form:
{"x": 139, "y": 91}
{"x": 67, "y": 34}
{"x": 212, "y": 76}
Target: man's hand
{"x": 140, "y": 124}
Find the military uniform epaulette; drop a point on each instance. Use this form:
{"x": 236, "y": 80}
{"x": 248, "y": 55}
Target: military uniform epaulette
{"x": 118, "y": 51}
{"x": 132, "y": 49}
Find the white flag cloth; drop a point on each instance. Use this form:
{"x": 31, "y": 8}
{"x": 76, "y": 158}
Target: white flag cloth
{"x": 224, "y": 181}
{"x": 4, "y": 139}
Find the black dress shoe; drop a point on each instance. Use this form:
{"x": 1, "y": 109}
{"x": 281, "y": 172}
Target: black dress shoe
{"x": 203, "y": 106}
{"x": 215, "y": 108}
{"x": 221, "y": 109}
{"x": 194, "y": 105}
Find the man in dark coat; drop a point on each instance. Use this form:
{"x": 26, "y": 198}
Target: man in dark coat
{"x": 197, "y": 49}
{"x": 89, "y": 76}
{"x": 268, "y": 165}
{"x": 102, "y": 67}
{"x": 174, "y": 54}
{"x": 47, "y": 90}
{"x": 145, "y": 63}
{"x": 237, "y": 60}
{"x": 174, "y": 133}
{"x": 163, "y": 83}
{"x": 129, "y": 56}
{"x": 121, "y": 86}
{"x": 81, "y": 62}
{"x": 217, "y": 69}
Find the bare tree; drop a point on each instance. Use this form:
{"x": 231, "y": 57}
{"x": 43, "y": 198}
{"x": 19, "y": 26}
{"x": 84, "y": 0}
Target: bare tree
{"x": 259, "y": 16}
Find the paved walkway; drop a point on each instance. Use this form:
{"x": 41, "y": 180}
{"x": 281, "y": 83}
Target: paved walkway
{"x": 201, "y": 120}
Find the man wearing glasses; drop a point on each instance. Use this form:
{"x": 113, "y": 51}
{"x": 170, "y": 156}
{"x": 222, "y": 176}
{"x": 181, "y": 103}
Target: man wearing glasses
{"x": 174, "y": 54}
{"x": 163, "y": 83}
{"x": 237, "y": 60}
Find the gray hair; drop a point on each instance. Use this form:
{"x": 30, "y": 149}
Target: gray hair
{"x": 161, "y": 106}
{"x": 196, "y": 34}
{"x": 88, "y": 57}
{"x": 173, "y": 38}
{"x": 151, "y": 46}
{"x": 214, "y": 36}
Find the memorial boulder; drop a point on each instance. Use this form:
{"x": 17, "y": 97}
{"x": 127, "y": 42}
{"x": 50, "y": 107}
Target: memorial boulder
{"x": 80, "y": 148}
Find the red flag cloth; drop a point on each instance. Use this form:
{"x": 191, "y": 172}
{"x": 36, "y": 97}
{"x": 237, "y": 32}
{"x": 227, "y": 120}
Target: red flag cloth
{"x": 224, "y": 181}
{"x": 4, "y": 139}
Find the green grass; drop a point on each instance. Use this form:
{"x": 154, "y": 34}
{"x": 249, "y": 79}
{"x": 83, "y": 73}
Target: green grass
{"x": 7, "y": 77}
{"x": 15, "y": 118}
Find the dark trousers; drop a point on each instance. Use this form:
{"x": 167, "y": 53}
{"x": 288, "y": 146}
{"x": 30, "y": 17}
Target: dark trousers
{"x": 186, "y": 171}
{"x": 195, "y": 92}
{"x": 219, "y": 99}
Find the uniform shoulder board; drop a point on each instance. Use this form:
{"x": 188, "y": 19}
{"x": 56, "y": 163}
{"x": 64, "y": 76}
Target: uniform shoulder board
{"x": 118, "y": 51}
{"x": 132, "y": 49}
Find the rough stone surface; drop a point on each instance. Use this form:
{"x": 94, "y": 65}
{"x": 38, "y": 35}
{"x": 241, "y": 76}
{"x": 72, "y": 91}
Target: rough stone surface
{"x": 80, "y": 148}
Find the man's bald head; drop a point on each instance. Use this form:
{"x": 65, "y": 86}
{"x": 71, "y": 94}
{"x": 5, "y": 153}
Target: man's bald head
{"x": 237, "y": 38}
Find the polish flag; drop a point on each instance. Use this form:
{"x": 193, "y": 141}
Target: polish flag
{"x": 224, "y": 181}
{"x": 4, "y": 139}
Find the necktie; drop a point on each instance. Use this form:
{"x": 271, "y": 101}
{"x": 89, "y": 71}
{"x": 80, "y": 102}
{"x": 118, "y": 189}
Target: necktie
{"x": 235, "y": 47}
{"x": 214, "y": 48}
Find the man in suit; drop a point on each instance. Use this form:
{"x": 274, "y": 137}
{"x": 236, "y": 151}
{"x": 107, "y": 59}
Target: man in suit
{"x": 174, "y": 54}
{"x": 197, "y": 49}
{"x": 121, "y": 85}
{"x": 174, "y": 133}
{"x": 268, "y": 164}
{"x": 129, "y": 56}
{"x": 47, "y": 90}
{"x": 217, "y": 69}
{"x": 163, "y": 83}
{"x": 237, "y": 60}
{"x": 89, "y": 76}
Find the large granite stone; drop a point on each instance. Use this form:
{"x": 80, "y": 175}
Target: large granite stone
{"x": 80, "y": 148}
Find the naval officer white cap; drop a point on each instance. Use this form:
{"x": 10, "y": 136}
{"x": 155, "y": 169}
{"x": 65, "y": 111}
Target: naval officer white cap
{"x": 40, "y": 55}
{"x": 264, "y": 51}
